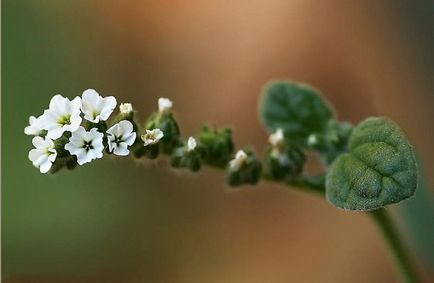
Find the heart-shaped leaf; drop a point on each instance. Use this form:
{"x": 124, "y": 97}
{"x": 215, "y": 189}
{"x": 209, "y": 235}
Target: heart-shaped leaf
{"x": 379, "y": 169}
{"x": 296, "y": 108}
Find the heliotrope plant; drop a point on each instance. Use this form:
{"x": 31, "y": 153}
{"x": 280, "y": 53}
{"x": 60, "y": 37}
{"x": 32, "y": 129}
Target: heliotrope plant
{"x": 366, "y": 167}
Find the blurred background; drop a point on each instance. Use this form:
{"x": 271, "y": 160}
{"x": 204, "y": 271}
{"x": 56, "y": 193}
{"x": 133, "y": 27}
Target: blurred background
{"x": 119, "y": 220}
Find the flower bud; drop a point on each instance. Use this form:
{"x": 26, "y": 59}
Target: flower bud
{"x": 101, "y": 126}
{"x": 188, "y": 156}
{"x": 69, "y": 162}
{"x": 245, "y": 168}
{"x": 218, "y": 146}
{"x": 166, "y": 122}
{"x": 126, "y": 109}
{"x": 150, "y": 151}
{"x": 60, "y": 143}
{"x": 283, "y": 163}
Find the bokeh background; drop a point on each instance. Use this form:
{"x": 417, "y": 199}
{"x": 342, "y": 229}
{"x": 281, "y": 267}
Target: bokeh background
{"x": 119, "y": 220}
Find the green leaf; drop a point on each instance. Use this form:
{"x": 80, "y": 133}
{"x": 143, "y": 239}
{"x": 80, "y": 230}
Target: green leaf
{"x": 379, "y": 169}
{"x": 296, "y": 108}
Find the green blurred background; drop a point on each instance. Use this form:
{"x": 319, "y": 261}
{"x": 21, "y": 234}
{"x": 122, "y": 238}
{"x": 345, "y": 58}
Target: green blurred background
{"x": 120, "y": 220}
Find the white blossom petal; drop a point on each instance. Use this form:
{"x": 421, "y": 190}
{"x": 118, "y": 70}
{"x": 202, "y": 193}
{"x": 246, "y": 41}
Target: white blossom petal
{"x": 191, "y": 144}
{"x": 239, "y": 160}
{"x": 95, "y": 107}
{"x": 62, "y": 116}
{"x": 164, "y": 104}
{"x": 152, "y": 136}
{"x": 35, "y": 126}
{"x": 121, "y": 150}
{"x": 44, "y": 153}
{"x": 277, "y": 138}
{"x": 86, "y": 145}
{"x": 120, "y": 136}
{"x": 126, "y": 108}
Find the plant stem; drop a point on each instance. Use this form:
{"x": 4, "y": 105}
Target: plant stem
{"x": 395, "y": 244}
{"x": 316, "y": 185}
{"x": 311, "y": 184}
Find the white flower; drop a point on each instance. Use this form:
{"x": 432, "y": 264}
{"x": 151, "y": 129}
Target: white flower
{"x": 164, "y": 104}
{"x": 35, "y": 126}
{"x": 126, "y": 108}
{"x": 277, "y": 138}
{"x": 95, "y": 107}
{"x": 120, "y": 136}
{"x": 44, "y": 153}
{"x": 85, "y": 145}
{"x": 239, "y": 160}
{"x": 191, "y": 144}
{"x": 152, "y": 136}
{"x": 62, "y": 115}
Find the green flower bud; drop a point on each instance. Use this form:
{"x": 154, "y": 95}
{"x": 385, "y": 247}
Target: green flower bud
{"x": 167, "y": 124}
{"x": 283, "y": 163}
{"x": 101, "y": 125}
{"x": 69, "y": 162}
{"x": 245, "y": 168}
{"x": 64, "y": 158}
{"x": 59, "y": 145}
{"x": 218, "y": 146}
{"x": 150, "y": 151}
{"x": 188, "y": 156}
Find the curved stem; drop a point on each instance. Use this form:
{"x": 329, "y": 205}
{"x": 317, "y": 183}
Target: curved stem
{"x": 401, "y": 257}
{"x": 316, "y": 185}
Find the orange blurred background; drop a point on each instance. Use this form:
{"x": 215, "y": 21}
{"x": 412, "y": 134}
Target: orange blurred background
{"x": 144, "y": 222}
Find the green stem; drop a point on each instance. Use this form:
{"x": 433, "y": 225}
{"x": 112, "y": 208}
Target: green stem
{"x": 395, "y": 244}
{"x": 315, "y": 184}
{"x": 311, "y": 184}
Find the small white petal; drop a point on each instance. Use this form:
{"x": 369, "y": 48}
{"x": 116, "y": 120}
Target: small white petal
{"x": 38, "y": 142}
{"x": 238, "y": 161}
{"x": 191, "y": 144}
{"x": 35, "y": 126}
{"x": 82, "y": 156}
{"x": 276, "y": 138}
{"x": 121, "y": 150}
{"x": 126, "y": 108}
{"x": 164, "y": 104}
{"x": 44, "y": 153}
{"x": 312, "y": 140}
{"x": 152, "y": 136}
{"x": 45, "y": 167}
{"x": 131, "y": 139}
{"x": 108, "y": 105}
{"x": 95, "y": 107}
{"x": 55, "y": 133}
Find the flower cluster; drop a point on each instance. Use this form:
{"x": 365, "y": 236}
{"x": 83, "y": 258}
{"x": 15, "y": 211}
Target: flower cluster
{"x": 80, "y": 131}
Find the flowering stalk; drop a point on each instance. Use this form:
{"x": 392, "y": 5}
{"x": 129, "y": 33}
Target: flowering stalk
{"x": 366, "y": 167}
